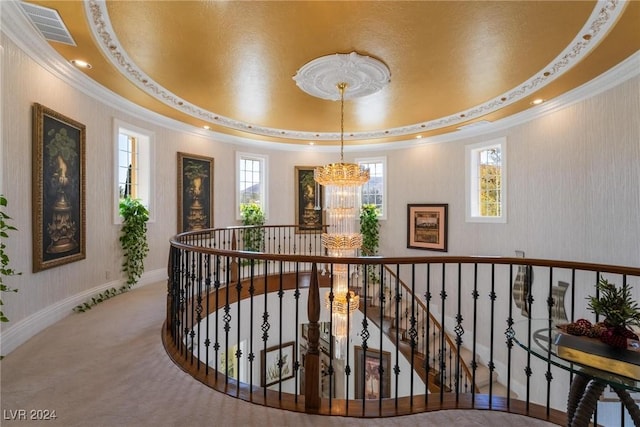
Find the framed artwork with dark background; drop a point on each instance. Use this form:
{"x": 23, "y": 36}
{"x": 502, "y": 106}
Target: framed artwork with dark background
{"x": 59, "y": 186}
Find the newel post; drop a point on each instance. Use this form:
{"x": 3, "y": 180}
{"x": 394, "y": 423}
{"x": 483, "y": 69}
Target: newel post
{"x": 312, "y": 360}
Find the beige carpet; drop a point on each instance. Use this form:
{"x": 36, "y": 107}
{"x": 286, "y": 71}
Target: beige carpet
{"x": 107, "y": 367}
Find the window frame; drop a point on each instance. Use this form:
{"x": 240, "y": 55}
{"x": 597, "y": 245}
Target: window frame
{"x": 382, "y": 215}
{"x": 471, "y": 182}
{"x": 264, "y": 162}
{"x": 146, "y": 171}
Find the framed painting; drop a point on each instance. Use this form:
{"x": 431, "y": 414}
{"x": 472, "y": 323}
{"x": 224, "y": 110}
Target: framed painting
{"x": 373, "y": 374}
{"x": 59, "y": 185}
{"x": 195, "y": 192}
{"x": 276, "y": 364}
{"x": 309, "y": 202}
{"x": 427, "y": 227}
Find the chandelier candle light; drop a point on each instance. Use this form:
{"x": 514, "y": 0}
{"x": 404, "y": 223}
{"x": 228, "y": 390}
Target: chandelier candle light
{"x": 342, "y": 181}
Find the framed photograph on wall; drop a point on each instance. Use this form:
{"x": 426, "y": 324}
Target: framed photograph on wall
{"x": 59, "y": 185}
{"x": 309, "y": 203}
{"x": 195, "y": 192}
{"x": 427, "y": 226}
{"x": 370, "y": 379}
{"x": 276, "y": 364}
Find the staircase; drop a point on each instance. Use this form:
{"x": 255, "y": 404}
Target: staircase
{"x": 437, "y": 359}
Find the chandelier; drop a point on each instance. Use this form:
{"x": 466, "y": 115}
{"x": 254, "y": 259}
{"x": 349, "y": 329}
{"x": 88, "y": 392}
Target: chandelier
{"x": 342, "y": 182}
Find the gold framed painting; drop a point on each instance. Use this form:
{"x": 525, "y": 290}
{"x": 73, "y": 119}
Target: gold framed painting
{"x": 309, "y": 202}
{"x": 59, "y": 185}
{"x": 372, "y": 374}
{"x": 427, "y": 227}
{"x": 195, "y": 192}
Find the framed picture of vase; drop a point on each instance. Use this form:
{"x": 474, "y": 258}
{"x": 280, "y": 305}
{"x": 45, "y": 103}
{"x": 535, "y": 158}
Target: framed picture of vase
{"x": 309, "y": 202}
{"x": 427, "y": 227}
{"x": 372, "y": 374}
{"x": 195, "y": 192}
{"x": 59, "y": 185}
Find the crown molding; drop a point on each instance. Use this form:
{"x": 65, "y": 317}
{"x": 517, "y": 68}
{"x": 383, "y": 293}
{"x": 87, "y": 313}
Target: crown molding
{"x": 17, "y": 27}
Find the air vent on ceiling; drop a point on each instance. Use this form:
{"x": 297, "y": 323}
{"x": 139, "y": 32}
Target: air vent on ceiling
{"x": 49, "y": 23}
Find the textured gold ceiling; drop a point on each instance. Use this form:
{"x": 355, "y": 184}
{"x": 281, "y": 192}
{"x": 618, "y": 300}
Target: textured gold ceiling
{"x": 236, "y": 59}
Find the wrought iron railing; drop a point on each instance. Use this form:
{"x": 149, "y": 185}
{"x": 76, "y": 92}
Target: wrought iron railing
{"x": 253, "y": 324}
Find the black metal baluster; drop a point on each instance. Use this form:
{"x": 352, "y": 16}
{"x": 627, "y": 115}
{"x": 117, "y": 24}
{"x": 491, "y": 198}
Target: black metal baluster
{"x": 548, "y": 375}
{"x": 474, "y": 364}
{"x": 491, "y": 365}
{"x": 252, "y": 290}
{"x": 442, "y": 356}
{"x": 459, "y": 330}
{"x": 207, "y": 286}
{"x": 427, "y": 340}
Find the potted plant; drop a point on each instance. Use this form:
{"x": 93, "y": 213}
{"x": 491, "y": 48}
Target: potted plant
{"x": 619, "y": 312}
{"x": 5, "y": 270}
{"x": 370, "y": 230}
{"x": 252, "y": 215}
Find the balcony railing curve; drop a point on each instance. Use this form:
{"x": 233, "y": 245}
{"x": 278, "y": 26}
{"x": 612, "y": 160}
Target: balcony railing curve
{"x": 431, "y": 332}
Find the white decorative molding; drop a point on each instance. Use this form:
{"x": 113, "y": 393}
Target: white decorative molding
{"x": 604, "y": 16}
{"x": 362, "y": 74}
{"x": 20, "y": 332}
{"x": 17, "y": 27}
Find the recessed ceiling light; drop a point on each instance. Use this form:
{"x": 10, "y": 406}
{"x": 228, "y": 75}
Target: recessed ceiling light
{"x": 80, "y": 63}
{"x": 537, "y": 101}
{"x": 312, "y": 143}
{"x": 418, "y": 136}
{"x": 206, "y": 127}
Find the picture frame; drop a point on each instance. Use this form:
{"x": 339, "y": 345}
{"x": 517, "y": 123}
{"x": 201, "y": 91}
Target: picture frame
{"x": 309, "y": 202}
{"x": 195, "y": 192}
{"x": 270, "y": 371}
{"x": 427, "y": 226}
{"x": 59, "y": 188}
{"x": 368, "y": 373}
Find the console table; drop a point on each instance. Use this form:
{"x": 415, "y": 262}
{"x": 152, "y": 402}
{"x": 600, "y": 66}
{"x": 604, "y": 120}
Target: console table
{"x": 538, "y": 337}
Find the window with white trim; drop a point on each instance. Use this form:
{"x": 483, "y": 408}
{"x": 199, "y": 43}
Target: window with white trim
{"x": 133, "y": 160}
{"x": 486, "y": 166}
{"x": 375, "y": 191}
{"x": 251, "y": 181}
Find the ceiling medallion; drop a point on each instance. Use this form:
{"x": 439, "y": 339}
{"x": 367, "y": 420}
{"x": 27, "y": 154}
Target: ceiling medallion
{"x": 363, "y": 75}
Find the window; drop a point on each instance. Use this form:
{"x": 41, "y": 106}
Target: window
{"x": 486, "y": 165}
{"x": 251, "y": 180}
{"x": 375, "y": 191}
{"x": 134, "y": 157}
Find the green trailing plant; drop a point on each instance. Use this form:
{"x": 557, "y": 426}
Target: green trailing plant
{"x": 252, "y": 215}
{"x": 370, "y": 230}
{"x": 133, "y": 240}
{"x": 5, "y": 269}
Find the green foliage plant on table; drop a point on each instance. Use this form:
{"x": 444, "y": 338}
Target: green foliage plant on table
{"x": 133, "y": 240}
{"x": 5, "y": 269}
{"x": 370, "y": 230}
{"x": 619, "y": 312}
{"x": 252, "y": 215}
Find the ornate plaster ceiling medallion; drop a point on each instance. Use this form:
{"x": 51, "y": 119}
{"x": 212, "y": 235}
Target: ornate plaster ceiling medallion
{"x": 363, "y": 75}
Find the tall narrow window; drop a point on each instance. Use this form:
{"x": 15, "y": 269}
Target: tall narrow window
{"x": 251, "y": 180}
{"x": 133, "y": 175}
{"x": 486, "y": 181}
{"x": 375, "y": 191}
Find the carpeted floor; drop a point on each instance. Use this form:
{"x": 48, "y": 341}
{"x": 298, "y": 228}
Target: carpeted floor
{"x": 107, "y": 367}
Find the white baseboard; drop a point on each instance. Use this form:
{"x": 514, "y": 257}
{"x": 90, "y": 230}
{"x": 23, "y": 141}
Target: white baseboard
{"x": 20, "y": 332}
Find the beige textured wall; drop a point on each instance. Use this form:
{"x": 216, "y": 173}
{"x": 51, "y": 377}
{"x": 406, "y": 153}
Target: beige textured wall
{"x": 573, "y": 185}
